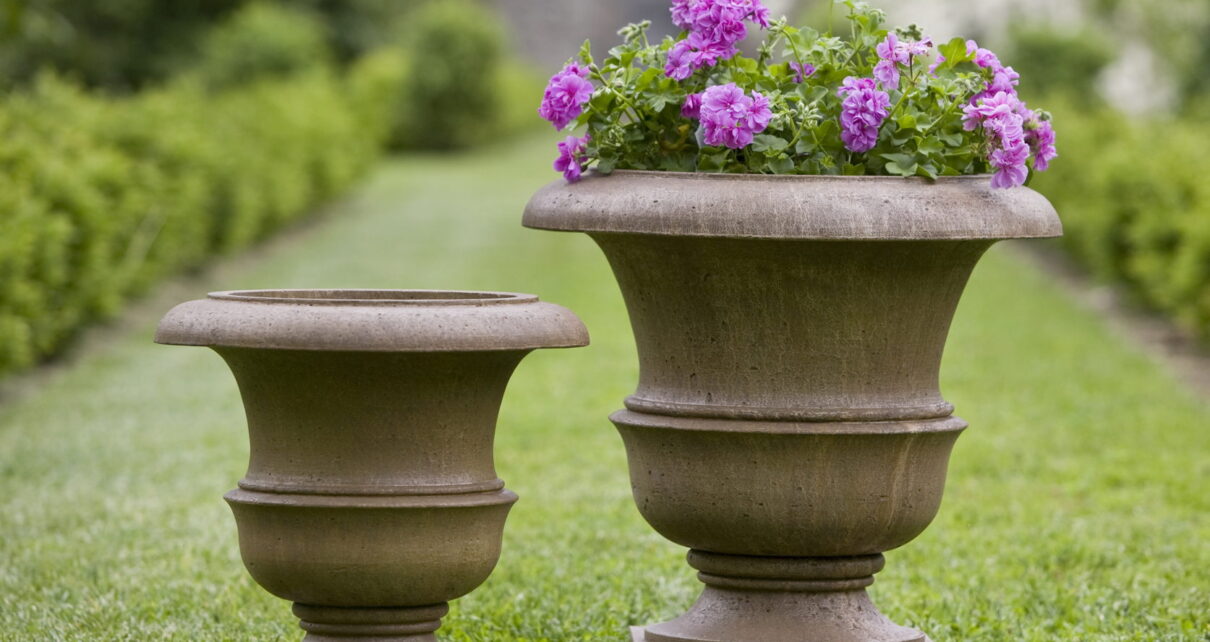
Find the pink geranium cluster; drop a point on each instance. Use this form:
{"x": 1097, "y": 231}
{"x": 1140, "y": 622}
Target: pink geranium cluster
{"x": 1014, "y": 130}
{"x": 565, "y": 95}
{"x": 1015, "y": 133}
{"x": 730, "y": 118}
{"x": 894, "y": 52}
{"x": 862, "y": 111}
{"x": 572, "y": 157}
{"x": 778, "y": 113}
{"x": 715, "y": 27}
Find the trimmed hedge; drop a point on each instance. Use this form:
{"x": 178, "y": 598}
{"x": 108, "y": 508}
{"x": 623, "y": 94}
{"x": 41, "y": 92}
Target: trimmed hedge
{"x": 262, "y": 40}
{"x": 453, "y": 50}
{"x": 131, "y": 44}
{"x": 1136, "y": 206}
{"x": 100, "y": 197}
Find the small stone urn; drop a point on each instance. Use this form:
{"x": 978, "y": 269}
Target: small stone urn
{"x": 788, "y": 425}
{"x": 371, "y": 498}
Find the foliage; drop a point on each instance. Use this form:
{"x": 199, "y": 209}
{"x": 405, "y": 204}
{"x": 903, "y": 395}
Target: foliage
{"x": 454, "y": 51}
{"x": 261, "y": 40}
{"x": 1060, "y": 62}
{"x": 359, "y": 27}
{"x": 127, "y": 44}
{"x": 516, "y": 84}
{"x": 378, "y": 85}
{"x": 119, "y": 44}
{"x": 1145, "y": 224}
{"x": 104, "y": 196}
{"x": 642, "y": 110}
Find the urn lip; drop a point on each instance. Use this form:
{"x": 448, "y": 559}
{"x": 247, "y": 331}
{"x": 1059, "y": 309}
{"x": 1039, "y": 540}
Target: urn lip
{"x": 788, "y": 207}
{"x": 353, "y": 320}
{"x": 373, "y": 297}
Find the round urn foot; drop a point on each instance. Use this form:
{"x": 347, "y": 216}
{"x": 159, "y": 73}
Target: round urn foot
{"x": 333, "y": 624}
{"x": 782, "y": 599}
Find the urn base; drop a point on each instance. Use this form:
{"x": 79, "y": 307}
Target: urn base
{"x": 334, "y": 624}
{"x": 764, "y": 599}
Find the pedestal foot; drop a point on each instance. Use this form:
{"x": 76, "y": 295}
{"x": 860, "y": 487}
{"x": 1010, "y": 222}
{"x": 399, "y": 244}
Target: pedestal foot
{"x": 335, "y": 624}
{"x": 781, "y": 599}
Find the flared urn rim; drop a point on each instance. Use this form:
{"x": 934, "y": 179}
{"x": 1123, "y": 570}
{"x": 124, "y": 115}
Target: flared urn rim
{"x": 792, "y": 207}
{"x": 372, "y": 320}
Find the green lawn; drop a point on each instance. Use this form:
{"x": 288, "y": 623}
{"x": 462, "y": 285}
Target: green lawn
{"x": 1078, "y": 505}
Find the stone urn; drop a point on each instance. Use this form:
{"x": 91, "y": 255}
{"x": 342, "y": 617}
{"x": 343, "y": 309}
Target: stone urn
{"x": 788, "y": 426}
{"x": 371, "y": 498}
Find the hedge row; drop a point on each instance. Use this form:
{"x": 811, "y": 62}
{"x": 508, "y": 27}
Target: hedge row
{"x": 100, "y": 197}
{"x": 1135, "y": 202}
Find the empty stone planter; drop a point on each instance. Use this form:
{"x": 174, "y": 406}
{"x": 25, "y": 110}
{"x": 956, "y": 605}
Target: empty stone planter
{"x": 788, "y": 425}
{"x": 371, "y": 498}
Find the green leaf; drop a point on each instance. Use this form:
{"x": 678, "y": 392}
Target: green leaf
{"x": 748, "y": 65}
{"x": 952, "y": 139}
{"x": 929, "y": 145}
{"x": 765, "y": 143}
{"x": 713, "y": 159}
{"x": 954, "y": 52}
{"x": 902, "y": 159}
{"x": 586, "y": 53}
{"x": 907, "y": 121}
{"x": 853, "y": 170}
{"x": 928, "y": 171}
{"x": 782, "y": 165}
{"x": 657, "y": 102}
{"x": 898, "y": 169}
{"x": 646, "y": 78}
{"x": 601, "y": 101}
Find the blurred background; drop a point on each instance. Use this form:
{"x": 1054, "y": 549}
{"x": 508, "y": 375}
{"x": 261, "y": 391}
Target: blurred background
{"x": 142, "y": 137}
{"x": 143, "y": 74}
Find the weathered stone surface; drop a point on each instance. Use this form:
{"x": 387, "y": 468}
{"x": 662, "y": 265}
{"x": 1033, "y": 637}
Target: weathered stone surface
{"x": 788, "y": 425}
{"x": 371, "y": 497}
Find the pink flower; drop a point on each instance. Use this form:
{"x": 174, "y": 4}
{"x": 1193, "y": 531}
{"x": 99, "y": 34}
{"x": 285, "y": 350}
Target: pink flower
{"x": 731, "y": 118}
{"x": 1010, "y": 165}
{"x": 715, "y": 26}
{"x": 693, "y": 53}
{"x": 887, "y": 73}
{"x": 1003, "y": 116}
{"x": 572, "y": 159}
{"x": 1002, "y": 113}
{"x": 564, "y": 98}
{"x": 1004, "y": 79}
{"x": 891, "y": 50}
{"x": 983, "y": 57}
{"x": 1040, "y": 136}
{"x": 862, "y": 111}
{"x": 692, "y": 107}
{"x": 894, "y": 52}
{"x": 802, "y": 71}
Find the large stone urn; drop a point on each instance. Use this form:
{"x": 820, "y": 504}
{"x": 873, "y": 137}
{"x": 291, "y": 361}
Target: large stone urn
{"x": 788, "y": 426}
{"x": 371, "y": 498}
